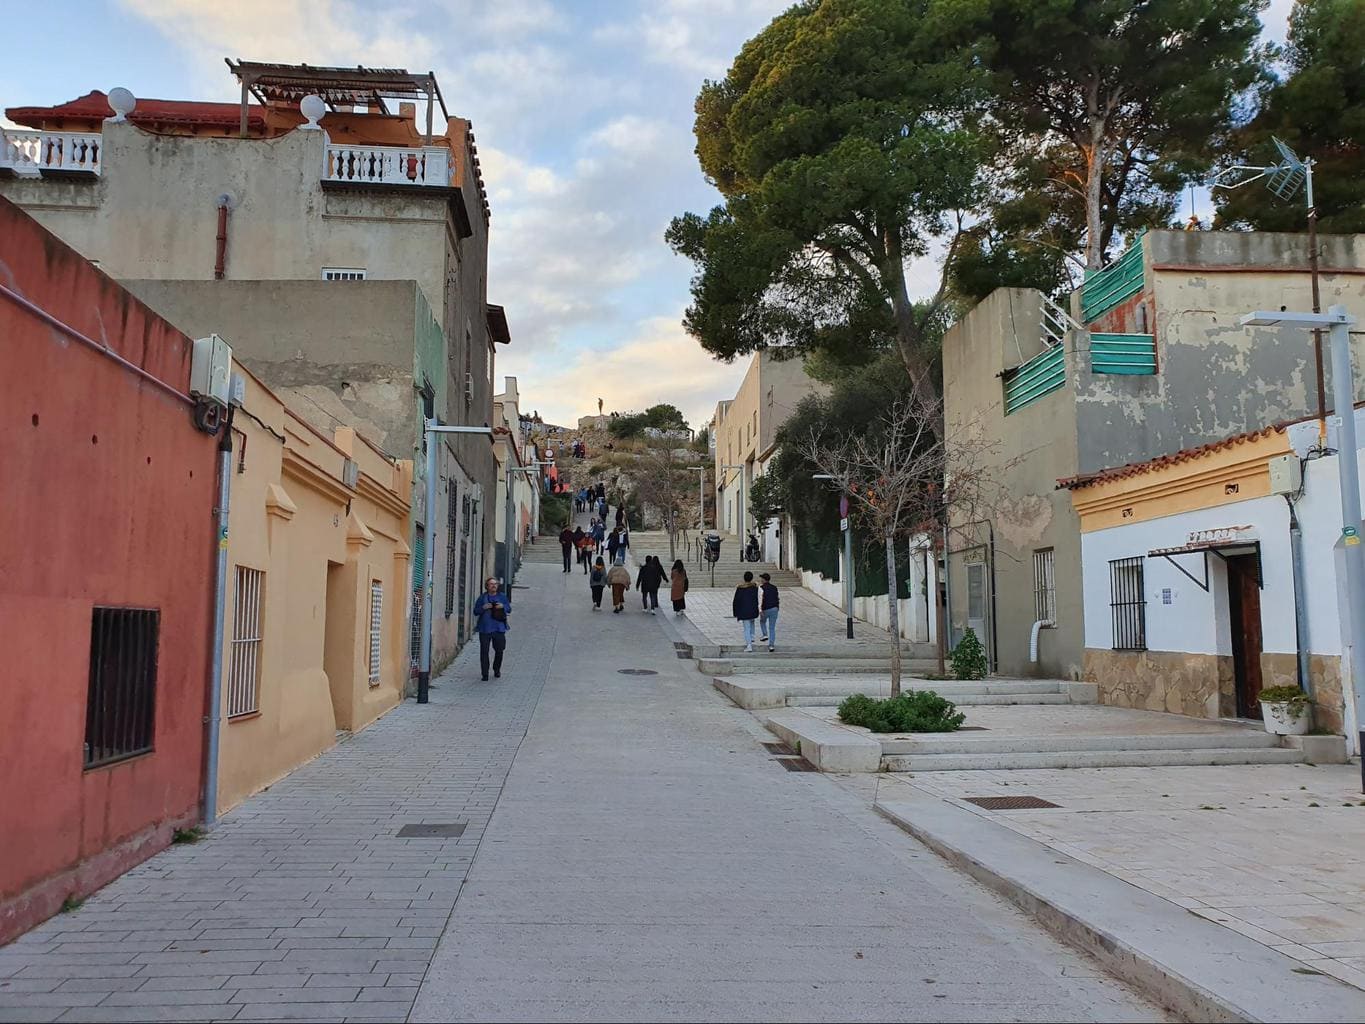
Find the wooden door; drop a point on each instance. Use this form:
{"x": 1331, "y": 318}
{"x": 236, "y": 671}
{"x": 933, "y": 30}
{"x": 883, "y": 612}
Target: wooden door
{"x": 1244, "y": 602}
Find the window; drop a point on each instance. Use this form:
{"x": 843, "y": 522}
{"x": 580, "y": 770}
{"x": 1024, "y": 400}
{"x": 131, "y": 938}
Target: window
{"x": 1128, "y": 603}
{"x": 1044, "y": 586}
{"x": 244, "y": 671}
{"x": 419, "y": 591}
{"x": 452, "y": 530}
{"x": 343, "y": 273}
{"x": 120, "y": 705}
{"x": 376, "y": 628}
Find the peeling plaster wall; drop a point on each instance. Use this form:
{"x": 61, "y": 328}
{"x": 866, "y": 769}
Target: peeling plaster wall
{"x": 1215, "y": 378}
{"x": 1036, "y": 446}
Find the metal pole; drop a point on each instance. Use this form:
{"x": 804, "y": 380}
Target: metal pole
{"x": 432, "y": 438}
{"x": 510, "y": 515}
{"x": 1343, "y": 388}
{"x": 215, "y": 717}
{"x": 848, "y": 579}
{"x": 1317, "y": 304}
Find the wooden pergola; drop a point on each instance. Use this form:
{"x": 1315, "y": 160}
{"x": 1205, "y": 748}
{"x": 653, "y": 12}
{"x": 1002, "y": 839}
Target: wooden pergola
{"x": 337, "y": 86}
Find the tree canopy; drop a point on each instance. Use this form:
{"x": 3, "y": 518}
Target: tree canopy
{"x": 1318, "y": 107}
{"x": 661, "y": 417}
{"x": 841, "y": 144}
{"x": 1104, "y": 108}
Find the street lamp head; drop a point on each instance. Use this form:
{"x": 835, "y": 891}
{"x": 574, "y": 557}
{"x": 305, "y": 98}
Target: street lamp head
{"x": 821, "y": 476}
{"x": 1270, "y": 318}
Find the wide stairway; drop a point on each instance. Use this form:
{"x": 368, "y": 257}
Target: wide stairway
{"x": 729, "y": 570}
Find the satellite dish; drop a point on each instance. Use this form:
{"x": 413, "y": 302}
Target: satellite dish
{"x": 1286, "y": 177}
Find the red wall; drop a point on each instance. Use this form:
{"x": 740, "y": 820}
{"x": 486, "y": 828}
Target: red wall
{"x": 106, "y": 497}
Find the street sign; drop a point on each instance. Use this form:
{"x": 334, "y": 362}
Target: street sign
{"x": 843, "y": 524}
{"x": 843, "y": 508}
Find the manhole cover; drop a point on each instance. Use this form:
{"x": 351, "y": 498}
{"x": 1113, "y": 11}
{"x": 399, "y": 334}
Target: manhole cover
{"x": 779, "y": 748}
{"x": 448, "y": 831}
{"x": 796, "y": 764}
{"x": 1009, "y": 803}
{"x": 637, "y": 672}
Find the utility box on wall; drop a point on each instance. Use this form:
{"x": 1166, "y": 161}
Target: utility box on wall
{"x": 211, "y": 369}
{"x": 1286, "y": 474}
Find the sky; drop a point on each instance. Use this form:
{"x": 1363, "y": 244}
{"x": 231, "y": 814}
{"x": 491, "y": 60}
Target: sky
{"x": 583, "y": 114}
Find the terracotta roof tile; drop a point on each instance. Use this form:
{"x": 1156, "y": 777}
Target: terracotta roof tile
{"x": 1162, "y": 461}
{"x": 95, "y": 105}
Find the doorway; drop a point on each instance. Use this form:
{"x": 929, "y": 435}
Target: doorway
{"x": 976, "y": 600}
{"x": 1244, "y": 607}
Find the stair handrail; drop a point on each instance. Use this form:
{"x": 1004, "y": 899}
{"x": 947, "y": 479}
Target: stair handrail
{"x": 1057, "y": 323}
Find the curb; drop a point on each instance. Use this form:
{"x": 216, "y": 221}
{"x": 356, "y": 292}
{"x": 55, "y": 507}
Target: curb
{"x": 1194, "y": 967}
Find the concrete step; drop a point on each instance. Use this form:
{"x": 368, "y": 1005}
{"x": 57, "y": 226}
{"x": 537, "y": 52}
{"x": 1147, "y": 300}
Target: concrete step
{"x": 775, "y": 663}
{"x": 963, "y": 700}
{"x": 1090, "y": 759}
{"x": 828, "y": 653}
{"x": 985, "y": 743}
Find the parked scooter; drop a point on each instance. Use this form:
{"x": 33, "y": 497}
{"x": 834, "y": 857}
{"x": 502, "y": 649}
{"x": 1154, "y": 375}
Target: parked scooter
{"x": 751, "y": 550}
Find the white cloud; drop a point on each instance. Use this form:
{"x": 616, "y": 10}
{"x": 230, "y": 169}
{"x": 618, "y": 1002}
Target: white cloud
{"x": 659, "y": 363}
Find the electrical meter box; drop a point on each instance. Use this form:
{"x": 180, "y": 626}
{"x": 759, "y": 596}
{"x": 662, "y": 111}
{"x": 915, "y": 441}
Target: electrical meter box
{"x": 1286, "y": 474}
{"x": 211, "y": 369}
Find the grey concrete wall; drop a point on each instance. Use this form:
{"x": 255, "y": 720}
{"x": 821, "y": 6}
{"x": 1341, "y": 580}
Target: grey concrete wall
{"x": 339, "y": 352}
{"x": 1032, "y": 448}
{"x": 1215, "y": 378}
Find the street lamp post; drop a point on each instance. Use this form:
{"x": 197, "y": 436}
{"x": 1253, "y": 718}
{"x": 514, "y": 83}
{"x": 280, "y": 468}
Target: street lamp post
{"x": 701, "y": 497}
{"x": 431, "y": 428}
{"x": 1338, "y": 322}
{"x": 848, "y": 554}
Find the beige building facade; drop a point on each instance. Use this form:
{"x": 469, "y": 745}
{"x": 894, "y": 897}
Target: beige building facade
{"x": 316, "y": 619}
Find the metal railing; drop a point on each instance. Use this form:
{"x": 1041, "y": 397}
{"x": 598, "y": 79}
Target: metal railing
{"x": 1041, "y": 375}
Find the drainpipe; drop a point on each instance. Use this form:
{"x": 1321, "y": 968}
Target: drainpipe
{"x": 220, "y": 260}
{"x": 215, "y": 715}
{"x": 1300, "y": 613}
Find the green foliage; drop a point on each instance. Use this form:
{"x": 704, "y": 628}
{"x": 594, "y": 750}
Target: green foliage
{"x": 187, "y": 835}
{"x": 840, "y": 141}
{"x": 869, "y": 578}
{"x": 556, "y": 510}
{"x": 1298, "y": 701}
{"x": 969, "y": 657}
{"x": 72, "y": 903}
{"x": 1130, "y": 98}
{"x": 1318, "y": 108}
{"x": 662, "y": 417}
{"x": 912, "y": 711}
{"x": 766, "y": 497}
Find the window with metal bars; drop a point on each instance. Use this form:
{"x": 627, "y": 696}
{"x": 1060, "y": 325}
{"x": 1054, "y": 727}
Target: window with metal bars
{"x": 419, "y": 592}
{"x": 376, "y": 629}
{"x": 1044, "y": 586}
{"x": 120, "y": 708}
{"x": 343, "y": 273}
{"x": 244, "y": 668}
{"x": 452, "y": 532}
{"x": 1128, "y": 604}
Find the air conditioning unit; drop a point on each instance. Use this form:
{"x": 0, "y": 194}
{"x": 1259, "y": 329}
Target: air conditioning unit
{"x": 350, "y": 473}
{"x": 211, "y": 369}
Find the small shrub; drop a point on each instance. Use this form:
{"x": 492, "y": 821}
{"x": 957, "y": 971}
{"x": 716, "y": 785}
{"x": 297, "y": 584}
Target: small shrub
{"x": 969, "y": 657}
{"x": 72, "y": 903}
{"x": 1298, "y": 702}
{"x": 187, "y": 835}
{"x": 912, "y": 711}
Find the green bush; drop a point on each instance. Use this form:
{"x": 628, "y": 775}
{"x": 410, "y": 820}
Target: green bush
{"x": 969, "y": 657}
{"x": 912, "y": 711}
{"x": 556, "y": 511}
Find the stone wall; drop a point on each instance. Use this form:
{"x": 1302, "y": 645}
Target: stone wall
{"x": 1200, "y": 685}
{"x": 1325, "y": 679}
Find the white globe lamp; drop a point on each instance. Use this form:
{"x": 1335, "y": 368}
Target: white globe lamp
{"x": 312, "y": 107}
{"x": 122, "y": 101}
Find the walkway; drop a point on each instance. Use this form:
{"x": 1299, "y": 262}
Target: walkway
{"x": 647, "y": 859}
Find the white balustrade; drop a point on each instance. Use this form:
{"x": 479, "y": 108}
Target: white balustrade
{"x": 29, "y": 152}
{"x": 387, "y": 165}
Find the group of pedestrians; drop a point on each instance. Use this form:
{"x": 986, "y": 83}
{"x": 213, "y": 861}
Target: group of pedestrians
{"x": 757, "y": 604}
{"x": 648, "y": 580}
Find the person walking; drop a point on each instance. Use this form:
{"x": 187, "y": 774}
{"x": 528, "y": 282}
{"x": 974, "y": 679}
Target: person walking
{"x": 566, "y": 544}
{"x": 492, "y": 611}
{"x": 622, "y": 545}
{"x": 678, "y": 587}
{"x": 651, "y": 576}
{"x": 621, "y": 514}
{"x": 599, "y": 534}
{"x": 767, "y": 611}
{"x": 618, "y": 578}
{"x": 585, "y": 546}
{"x": 613, "y": 542}
{"x": 597, "y": 579}
{"x": 745, "y": 607}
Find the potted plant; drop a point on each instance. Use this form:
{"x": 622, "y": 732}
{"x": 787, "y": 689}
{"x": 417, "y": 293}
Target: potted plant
{"x": 1285, "y": 710}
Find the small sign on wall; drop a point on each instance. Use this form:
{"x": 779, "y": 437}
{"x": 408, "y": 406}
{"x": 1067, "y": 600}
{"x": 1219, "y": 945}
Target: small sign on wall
{"x": 1167, "y": 595}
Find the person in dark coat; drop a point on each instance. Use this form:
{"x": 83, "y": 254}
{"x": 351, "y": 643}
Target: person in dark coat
{"x": 613, "y": 542}
{"x": 597, "y": 579}
{"x": 566, "y": 545}
{"x": 678, "y": 587}
{"x": 648, "y": 582}
{"x": 767, "y": 611}
{"x": 746, "y": 608}
{"x": 491, "y": 611}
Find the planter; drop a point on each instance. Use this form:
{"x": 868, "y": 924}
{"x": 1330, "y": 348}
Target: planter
{"x": 1288, "y": 718}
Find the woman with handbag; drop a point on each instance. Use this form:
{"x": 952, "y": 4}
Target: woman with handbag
{"x": 678, "y": 587}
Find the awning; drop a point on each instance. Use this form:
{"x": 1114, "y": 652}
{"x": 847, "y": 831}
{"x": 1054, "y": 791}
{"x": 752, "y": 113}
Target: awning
{"x": 1224, "y": 542}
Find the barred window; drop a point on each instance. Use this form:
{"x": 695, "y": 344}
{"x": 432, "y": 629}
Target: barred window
{"x": 244, "y": 671}
{"x": 120, "y": 705}
{"x": 343, "y": 273}
{"x": 1128, "y": 604}
{"x": 376, "y": 628}
{"x": 452, "y": 534}
{"x": 1044, "y": 586}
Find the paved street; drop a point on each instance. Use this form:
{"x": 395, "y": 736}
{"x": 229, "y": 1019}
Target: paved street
{"x": 631, "y": 851}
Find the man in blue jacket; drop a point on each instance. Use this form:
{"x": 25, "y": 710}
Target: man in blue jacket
{"x": 492, "y": 610}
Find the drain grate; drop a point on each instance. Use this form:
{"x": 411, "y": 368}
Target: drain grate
{"x": 1009, "y": 803}
{"x": 796, "y": 764}
{"x": 636, "y": 672}
{"x": 779, "y": 748}
{"x": 452, "y": 830}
